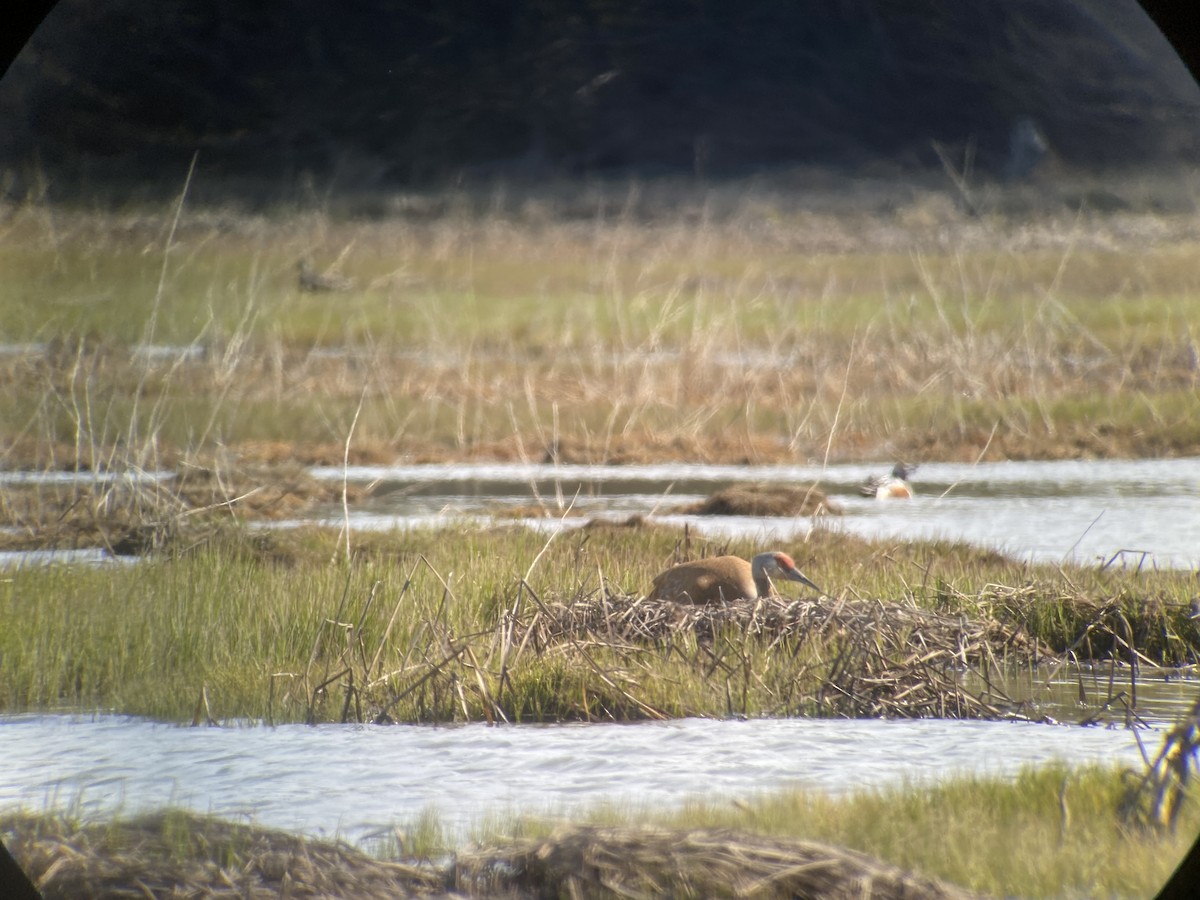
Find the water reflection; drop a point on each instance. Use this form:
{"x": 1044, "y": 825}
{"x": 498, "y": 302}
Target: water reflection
{"x": 1098, "y": 692}
{"x": 354, "y": 781}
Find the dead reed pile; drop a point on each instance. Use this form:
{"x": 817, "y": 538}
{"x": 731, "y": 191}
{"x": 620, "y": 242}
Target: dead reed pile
{"x": 180, "y": 854}
{"x": 132, "y": 515}
{"x": 590, "y": 861}
{"x": 856, "y": 658}
{"x": 764, "y": 500}
{"x": 177, "y": 854}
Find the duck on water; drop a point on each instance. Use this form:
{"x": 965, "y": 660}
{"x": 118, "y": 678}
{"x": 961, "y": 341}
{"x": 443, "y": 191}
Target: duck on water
{"x": 890, "y": 487}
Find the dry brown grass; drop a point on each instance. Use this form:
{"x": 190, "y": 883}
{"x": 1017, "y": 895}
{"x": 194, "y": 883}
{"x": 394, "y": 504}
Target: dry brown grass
{"x": 852, "y": 658}
{"x": 134, "y": 517}
{"x": 179, "y": 855}
{"x": 764, "y": 500}
{"x": 906, "y": 394}
{"x": 591, "y": 861}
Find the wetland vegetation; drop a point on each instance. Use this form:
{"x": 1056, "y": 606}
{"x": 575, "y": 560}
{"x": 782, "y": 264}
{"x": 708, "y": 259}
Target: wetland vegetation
{"x": 464, "y": 623}
{"x": 604, "y": 325}
{"x": 608, "y": 326}
{"x": 740, "y": 323}
{"x": 1052, "y": 832}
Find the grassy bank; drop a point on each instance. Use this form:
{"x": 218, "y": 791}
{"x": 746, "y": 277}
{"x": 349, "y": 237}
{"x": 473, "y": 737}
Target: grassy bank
{"x": 466, "y": 623}
{"x": 731, "y": 323}
{"x": 1051, "y": 832}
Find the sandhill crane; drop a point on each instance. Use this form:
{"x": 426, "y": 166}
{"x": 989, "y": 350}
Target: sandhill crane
{"x": 887, "y": 487}
{"x": 726, "y": 578}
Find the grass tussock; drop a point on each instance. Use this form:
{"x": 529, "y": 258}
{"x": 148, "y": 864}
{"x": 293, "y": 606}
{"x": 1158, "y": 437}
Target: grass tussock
{"x": 595, "y": 861}
{"x": 462, "y": 624}
{"x": 1048, "y": 832}
{"x": 1052, "y": 832}
{"x": 1135, "y": 622}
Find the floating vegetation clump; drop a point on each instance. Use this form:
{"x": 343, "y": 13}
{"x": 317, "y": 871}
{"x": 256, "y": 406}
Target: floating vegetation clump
{"x": 764, "y": 500}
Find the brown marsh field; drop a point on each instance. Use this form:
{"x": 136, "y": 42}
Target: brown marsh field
{"x": 755, "y": 323}
{"x": 751, "y": 323}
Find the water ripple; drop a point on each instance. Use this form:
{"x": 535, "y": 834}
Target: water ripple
{"x": 352, "y": 780}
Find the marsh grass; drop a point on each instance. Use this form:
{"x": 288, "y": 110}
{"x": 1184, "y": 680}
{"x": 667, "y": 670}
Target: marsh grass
{"x": 604, "y": 325}
{"x": 702, "y": 329}
{"x": 1051, "y": 832}
{"x": 502, "y": 625}
{"x": 750, "y": 324}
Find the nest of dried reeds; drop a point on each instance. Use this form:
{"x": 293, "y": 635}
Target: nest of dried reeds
{"x": 865, "y": 658}
{"x": 590, "y": 861}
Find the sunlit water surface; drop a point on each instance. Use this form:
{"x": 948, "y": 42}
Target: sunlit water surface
{"x": 1131, "y": 512}
{"x": 361, "y": 781}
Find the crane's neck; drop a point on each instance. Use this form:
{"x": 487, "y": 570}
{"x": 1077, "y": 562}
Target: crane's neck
{"x": 758, "y": 571}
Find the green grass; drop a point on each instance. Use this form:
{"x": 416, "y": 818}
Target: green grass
{"x": 498, "y": 290}
{"x": 1051, "y": 832}
{"x": 278, "y": 626}
{"x": 482, "y": 333}
{"x": 907, "y": 339}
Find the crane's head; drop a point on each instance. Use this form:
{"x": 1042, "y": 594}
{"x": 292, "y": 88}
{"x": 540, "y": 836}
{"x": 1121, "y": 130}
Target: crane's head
{"x": 779, "y": 565}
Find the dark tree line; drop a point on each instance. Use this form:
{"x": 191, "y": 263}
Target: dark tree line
{"x": 405, "y": 91}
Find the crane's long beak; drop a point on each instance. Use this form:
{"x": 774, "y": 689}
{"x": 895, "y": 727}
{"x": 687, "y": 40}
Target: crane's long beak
{"x": 797, "y": 575}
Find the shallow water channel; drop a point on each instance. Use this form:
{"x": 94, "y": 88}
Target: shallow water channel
{"x": 358, "y": 782}
{"x": 1127, "y": 512}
